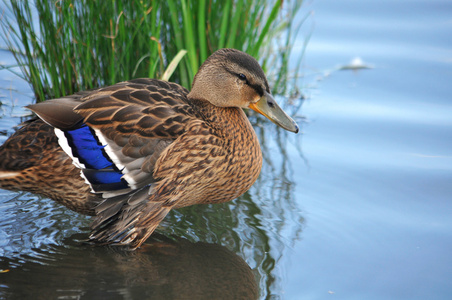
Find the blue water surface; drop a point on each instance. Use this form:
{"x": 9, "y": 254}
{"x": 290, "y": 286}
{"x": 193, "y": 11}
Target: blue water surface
{"x": 377, "y": 192}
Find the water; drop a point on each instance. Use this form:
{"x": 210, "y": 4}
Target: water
{"x": 376, "y": 195}
{"x": 362, "y": 213}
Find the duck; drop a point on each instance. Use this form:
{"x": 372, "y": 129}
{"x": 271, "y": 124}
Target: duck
{"x": 129, "y": 153}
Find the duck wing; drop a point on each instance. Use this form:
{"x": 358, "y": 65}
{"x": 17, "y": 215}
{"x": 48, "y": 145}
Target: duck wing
{"x": 115, "y": 136}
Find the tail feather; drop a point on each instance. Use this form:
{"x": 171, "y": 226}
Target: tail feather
{"x": 127, "y": 219}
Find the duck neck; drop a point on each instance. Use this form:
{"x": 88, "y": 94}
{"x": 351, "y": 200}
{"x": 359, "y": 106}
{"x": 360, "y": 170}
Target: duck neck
{"x": 242, "y": 156}
{"x": 227, "y": 121}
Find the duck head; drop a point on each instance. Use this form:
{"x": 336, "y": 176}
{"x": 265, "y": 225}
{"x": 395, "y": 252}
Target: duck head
{"x": 231, "y": 78}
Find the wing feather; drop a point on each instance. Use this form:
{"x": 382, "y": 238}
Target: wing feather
{"x": 133, "y": 123}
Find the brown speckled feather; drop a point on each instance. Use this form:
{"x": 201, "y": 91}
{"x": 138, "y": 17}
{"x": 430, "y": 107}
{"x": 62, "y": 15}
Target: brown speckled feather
{"x": 28, "y": 160}
{"x": 185, "y": 173}
{"x": 145, "y": 147}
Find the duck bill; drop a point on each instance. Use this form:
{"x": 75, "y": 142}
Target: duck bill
{"x": 268, "y": 107}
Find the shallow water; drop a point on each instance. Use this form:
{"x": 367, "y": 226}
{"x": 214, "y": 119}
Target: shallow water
{"x": 376, "y": 196}
{"x": 362, "y": 212}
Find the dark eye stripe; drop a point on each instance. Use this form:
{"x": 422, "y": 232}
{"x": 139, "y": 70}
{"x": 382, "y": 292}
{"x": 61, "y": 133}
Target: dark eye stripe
{"x": 258, "y": 89}
{"x": 242, "y": 76}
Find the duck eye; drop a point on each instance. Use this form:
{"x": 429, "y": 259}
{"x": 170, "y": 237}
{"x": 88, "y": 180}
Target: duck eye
{"x": 242, "y": 76}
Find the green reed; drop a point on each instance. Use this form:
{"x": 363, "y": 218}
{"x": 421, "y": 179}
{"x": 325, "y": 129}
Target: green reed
{"x": 66, "y": 46}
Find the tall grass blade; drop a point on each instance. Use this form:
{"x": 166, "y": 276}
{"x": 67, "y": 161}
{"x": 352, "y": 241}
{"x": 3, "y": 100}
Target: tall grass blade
{"x": 66, "y": 46}
{"x": 173, "y": 65}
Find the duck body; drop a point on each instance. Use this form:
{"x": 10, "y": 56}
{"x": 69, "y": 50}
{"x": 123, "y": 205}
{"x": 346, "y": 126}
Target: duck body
{"x": 131, "y": 152}
{"x": 32, "y": 160}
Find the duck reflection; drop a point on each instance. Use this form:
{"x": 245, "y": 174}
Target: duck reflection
{"x": 164, "y": 268}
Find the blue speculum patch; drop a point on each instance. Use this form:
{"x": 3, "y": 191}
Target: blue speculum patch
{"x": 87, "y": 148}
{"x": 100, "y": 171}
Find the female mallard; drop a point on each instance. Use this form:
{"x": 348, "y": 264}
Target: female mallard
{"x": 131, "y": 152}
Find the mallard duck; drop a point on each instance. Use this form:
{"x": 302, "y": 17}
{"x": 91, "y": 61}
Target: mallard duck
{"x": 131, "y": 152}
